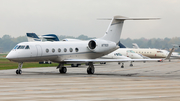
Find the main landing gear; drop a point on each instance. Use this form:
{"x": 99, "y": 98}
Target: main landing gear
{"x": 131, "y": 64}
{"x": 19, "y": 71}
{"x": 91, "y": 69}
{"x": 122, "y": 66}
{"x": 62, "y": 69}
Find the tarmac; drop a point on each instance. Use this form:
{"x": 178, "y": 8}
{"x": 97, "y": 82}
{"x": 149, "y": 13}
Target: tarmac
{"x": 150, "y": 81}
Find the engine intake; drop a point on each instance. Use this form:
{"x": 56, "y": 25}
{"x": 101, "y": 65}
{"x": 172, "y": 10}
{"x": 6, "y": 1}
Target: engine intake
{"x": 100, "y": 45}
{"x": 92, "y": 44}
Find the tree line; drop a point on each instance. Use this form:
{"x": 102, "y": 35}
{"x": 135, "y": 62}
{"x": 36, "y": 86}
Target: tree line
{"x": 7, "y": 42}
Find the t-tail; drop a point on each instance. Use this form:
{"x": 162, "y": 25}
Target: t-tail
{"x": 114, "y": 30}
{"x": 32, "y": 37}
{"x": 49, "y": 37}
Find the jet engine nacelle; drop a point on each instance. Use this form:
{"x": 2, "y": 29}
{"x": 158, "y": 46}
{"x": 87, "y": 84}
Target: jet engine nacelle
{"x": 100, "y": 45}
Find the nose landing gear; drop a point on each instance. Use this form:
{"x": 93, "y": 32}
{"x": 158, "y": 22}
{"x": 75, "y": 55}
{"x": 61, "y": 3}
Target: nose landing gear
{"x": 19, "y": 71}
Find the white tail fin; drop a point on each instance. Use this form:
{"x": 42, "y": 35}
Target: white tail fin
{"x": 135, "y": 45}
{"x": 114, "y": 30}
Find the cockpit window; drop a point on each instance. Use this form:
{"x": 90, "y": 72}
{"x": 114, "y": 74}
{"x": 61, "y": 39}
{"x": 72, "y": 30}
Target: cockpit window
{"x": 27, "y": 47}
{"x": 117, "y": 54}
{"x": 15, "y": 46}
{"x": 130, "y": 51}
{"x": 159, "y": 52}
{"x": 21, "y": 47}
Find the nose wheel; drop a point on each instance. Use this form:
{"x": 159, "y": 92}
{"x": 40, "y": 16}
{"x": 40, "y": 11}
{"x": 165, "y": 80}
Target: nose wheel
{"x": 19, "y": 71}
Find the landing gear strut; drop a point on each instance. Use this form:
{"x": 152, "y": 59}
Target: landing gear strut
{"x": 122, "y": 65}
{"x": 62, "y": 69}
{"x": 131, "y": 64}
{"x": 91, "y": 69}
{"x": 19, "y": 71}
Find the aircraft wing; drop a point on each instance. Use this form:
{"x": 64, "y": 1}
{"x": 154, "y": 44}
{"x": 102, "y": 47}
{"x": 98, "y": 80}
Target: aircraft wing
{"x": 109, "y": 60}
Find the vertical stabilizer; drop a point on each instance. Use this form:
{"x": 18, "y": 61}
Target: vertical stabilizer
{"x": 32, "y": 37}
{"x": 114, "y": 30}
{"x": 135, "y": 45}
{"x": 121, "y": 45}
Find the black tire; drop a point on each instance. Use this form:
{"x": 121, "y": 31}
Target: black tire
{"x": 17, "y": 71}
{"x": 90, "y": 71}
{"x": 122, "y": 66}
{"x": 63, "y": 70}
{"x": 20, "y": 71}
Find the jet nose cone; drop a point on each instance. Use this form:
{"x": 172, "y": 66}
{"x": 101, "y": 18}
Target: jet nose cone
{"x": 10, "y": 56}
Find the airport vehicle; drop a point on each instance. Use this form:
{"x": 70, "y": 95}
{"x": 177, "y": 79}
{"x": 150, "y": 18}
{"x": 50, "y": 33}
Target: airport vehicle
{"x": 68, "y": 52}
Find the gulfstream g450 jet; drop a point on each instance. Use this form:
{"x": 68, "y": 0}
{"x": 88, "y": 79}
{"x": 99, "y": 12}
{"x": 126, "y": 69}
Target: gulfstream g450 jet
{"x": 69, "y": 52}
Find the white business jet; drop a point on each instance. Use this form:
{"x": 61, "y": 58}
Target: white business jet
{"x": 68, "y": 52}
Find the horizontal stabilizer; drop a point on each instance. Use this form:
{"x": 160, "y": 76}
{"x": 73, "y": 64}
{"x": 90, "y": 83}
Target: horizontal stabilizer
{"x": 109, "y": 60}
{"x": 126, "y": 18}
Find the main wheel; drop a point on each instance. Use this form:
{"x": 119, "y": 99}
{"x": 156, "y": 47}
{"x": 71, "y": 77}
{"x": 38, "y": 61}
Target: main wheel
{"x": 131, "y": 65}
{"x": 17, "y": 71}
{"x": 20, "y": 71}
{"x": 90, "y": 70}
{"x": 63, "y": 70}
{"x": 122, "y": 66}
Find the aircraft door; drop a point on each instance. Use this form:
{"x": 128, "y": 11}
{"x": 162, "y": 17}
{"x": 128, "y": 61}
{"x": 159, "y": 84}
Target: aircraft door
{"x": 39, "y": 50}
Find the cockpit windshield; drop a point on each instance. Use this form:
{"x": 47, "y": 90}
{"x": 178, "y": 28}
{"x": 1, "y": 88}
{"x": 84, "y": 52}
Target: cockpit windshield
{"x": 15, "y": 46}
{"x": 21, "y": 47}
{"x": 159, "y": 52}
{"x": 130, "y": 51}
{"x": 27, "y": 47}
{"x": 117, "y": 54}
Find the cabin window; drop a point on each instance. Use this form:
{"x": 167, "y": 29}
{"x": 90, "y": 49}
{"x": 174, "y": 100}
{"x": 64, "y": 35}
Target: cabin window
{"x": 65, "y": 50}
{"x": 59, "y": 50}
{"x": 47, "y": 50}
{"x": 53, "y": 50}
{"x": 27, "y": 47}
{"x": 76, "y": 49}
{"x": 70, "y": 49}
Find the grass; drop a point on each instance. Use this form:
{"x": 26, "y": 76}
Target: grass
{"x": 6, "y": 64}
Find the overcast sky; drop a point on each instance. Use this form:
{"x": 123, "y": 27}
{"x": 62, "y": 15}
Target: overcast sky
{"x": 76, "y": 17}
